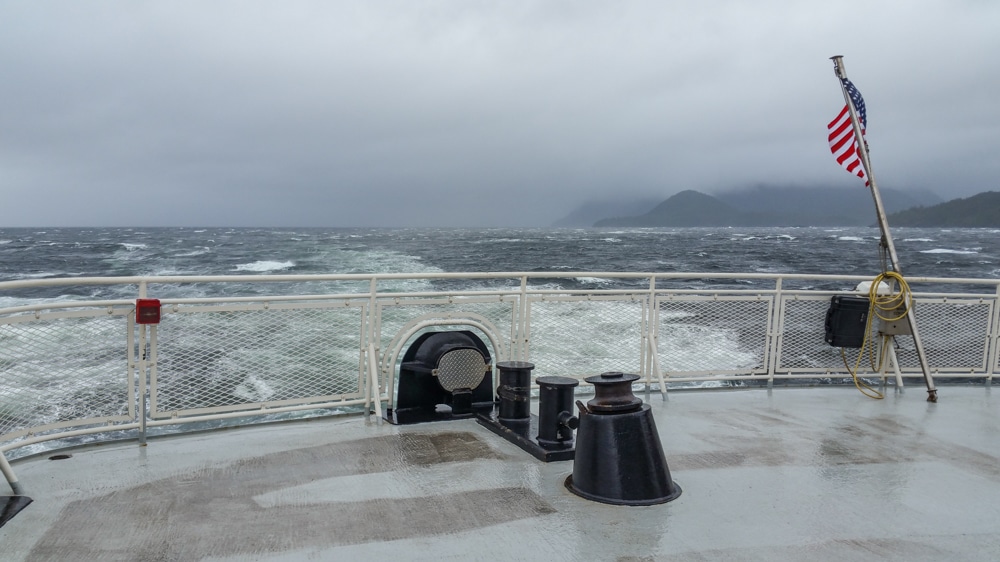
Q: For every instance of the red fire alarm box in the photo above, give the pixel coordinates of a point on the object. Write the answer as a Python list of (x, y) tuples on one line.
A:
[(147, 311)]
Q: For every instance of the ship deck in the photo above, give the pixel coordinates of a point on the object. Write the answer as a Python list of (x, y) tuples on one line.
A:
[(819, 473)]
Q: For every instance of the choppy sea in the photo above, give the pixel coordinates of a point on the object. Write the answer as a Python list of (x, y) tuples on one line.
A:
[(39, 253)]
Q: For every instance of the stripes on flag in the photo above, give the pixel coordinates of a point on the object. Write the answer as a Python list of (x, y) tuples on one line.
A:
[(843, 143)]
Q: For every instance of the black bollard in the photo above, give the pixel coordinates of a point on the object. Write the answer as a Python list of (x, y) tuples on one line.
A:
[(514, 391), (556, 421)]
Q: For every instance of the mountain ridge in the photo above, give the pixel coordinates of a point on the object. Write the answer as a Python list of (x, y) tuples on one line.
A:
[(774, 206)]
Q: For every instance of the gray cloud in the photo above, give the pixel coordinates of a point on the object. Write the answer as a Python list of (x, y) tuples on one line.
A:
[(471, 113)]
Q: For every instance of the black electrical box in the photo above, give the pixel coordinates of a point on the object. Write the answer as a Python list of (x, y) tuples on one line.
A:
[(847, 321)]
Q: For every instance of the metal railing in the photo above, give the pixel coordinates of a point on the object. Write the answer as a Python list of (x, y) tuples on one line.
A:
[(270, 345)]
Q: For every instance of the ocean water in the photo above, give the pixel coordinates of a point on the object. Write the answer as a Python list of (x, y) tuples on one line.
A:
[(40, 253)]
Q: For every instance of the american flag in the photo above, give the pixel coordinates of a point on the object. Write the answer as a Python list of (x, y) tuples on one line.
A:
[(843, 144)]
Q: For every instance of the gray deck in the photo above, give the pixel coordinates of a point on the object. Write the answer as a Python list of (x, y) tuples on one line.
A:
[(793, 474)]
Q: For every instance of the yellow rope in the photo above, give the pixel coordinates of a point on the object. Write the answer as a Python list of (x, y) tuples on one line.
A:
[(889, 308)]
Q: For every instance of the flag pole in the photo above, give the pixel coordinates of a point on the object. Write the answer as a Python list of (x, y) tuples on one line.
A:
[(883, 223)]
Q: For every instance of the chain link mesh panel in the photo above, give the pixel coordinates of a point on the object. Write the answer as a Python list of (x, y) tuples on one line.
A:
[(954, 334), (702, 334), (803, 346), (238, 359), (59, 372), (579, 337)]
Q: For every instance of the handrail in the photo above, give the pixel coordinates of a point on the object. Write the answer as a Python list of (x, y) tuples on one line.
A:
[(177, 279), (560, 329)]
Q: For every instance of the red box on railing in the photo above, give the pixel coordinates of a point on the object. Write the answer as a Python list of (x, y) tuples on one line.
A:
[(147, 311)]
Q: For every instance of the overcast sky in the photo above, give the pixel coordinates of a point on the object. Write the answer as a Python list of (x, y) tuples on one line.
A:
[(472, 112)]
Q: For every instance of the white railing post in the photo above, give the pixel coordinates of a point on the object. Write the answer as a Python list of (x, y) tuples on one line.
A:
[(143, 384), (994, 338), (373, 383), (8, 473), (776, 324), (142, 367), (370, 333), (522, 353), (656, 367), (653, 331)]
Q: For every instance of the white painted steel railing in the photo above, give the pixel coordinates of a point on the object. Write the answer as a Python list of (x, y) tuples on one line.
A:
[(271, 345)]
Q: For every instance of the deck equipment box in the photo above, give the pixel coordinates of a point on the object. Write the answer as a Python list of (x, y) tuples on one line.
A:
[(847, 321)]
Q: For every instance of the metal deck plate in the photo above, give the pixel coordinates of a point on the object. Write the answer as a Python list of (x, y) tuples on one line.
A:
[(793, 474)]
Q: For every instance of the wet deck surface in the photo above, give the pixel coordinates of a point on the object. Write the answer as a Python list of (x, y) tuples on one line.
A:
[(796, 474)]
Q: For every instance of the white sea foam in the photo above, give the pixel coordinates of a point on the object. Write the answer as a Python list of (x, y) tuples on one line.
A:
[(947, 251), (202, 251), (963, 251), (265, 265), (254, 389), (917, 240), (850, 239), (168, 271), (133, 247), (495, 240), (675, 314), (40, 275), (595, 280), (5, 241)]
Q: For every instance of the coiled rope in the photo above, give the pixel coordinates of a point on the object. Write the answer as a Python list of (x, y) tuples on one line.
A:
[(889, 308)]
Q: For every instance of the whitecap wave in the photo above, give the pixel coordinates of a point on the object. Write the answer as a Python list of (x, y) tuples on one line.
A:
[(594, 280), (41, 275), (917, 240), (192, 253), (265, 265), (676, 314), (132, 247), (947, 251), (254, 389), (850, 239)]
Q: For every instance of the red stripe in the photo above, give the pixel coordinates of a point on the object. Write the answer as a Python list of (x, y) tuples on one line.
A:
[(839, 117), (835, 148), (851, 152), (840, 129), (844, 145)]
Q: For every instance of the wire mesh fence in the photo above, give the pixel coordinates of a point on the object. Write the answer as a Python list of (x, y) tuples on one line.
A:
[(212, 360), (81, 365), (578, 338), (63, 371)]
